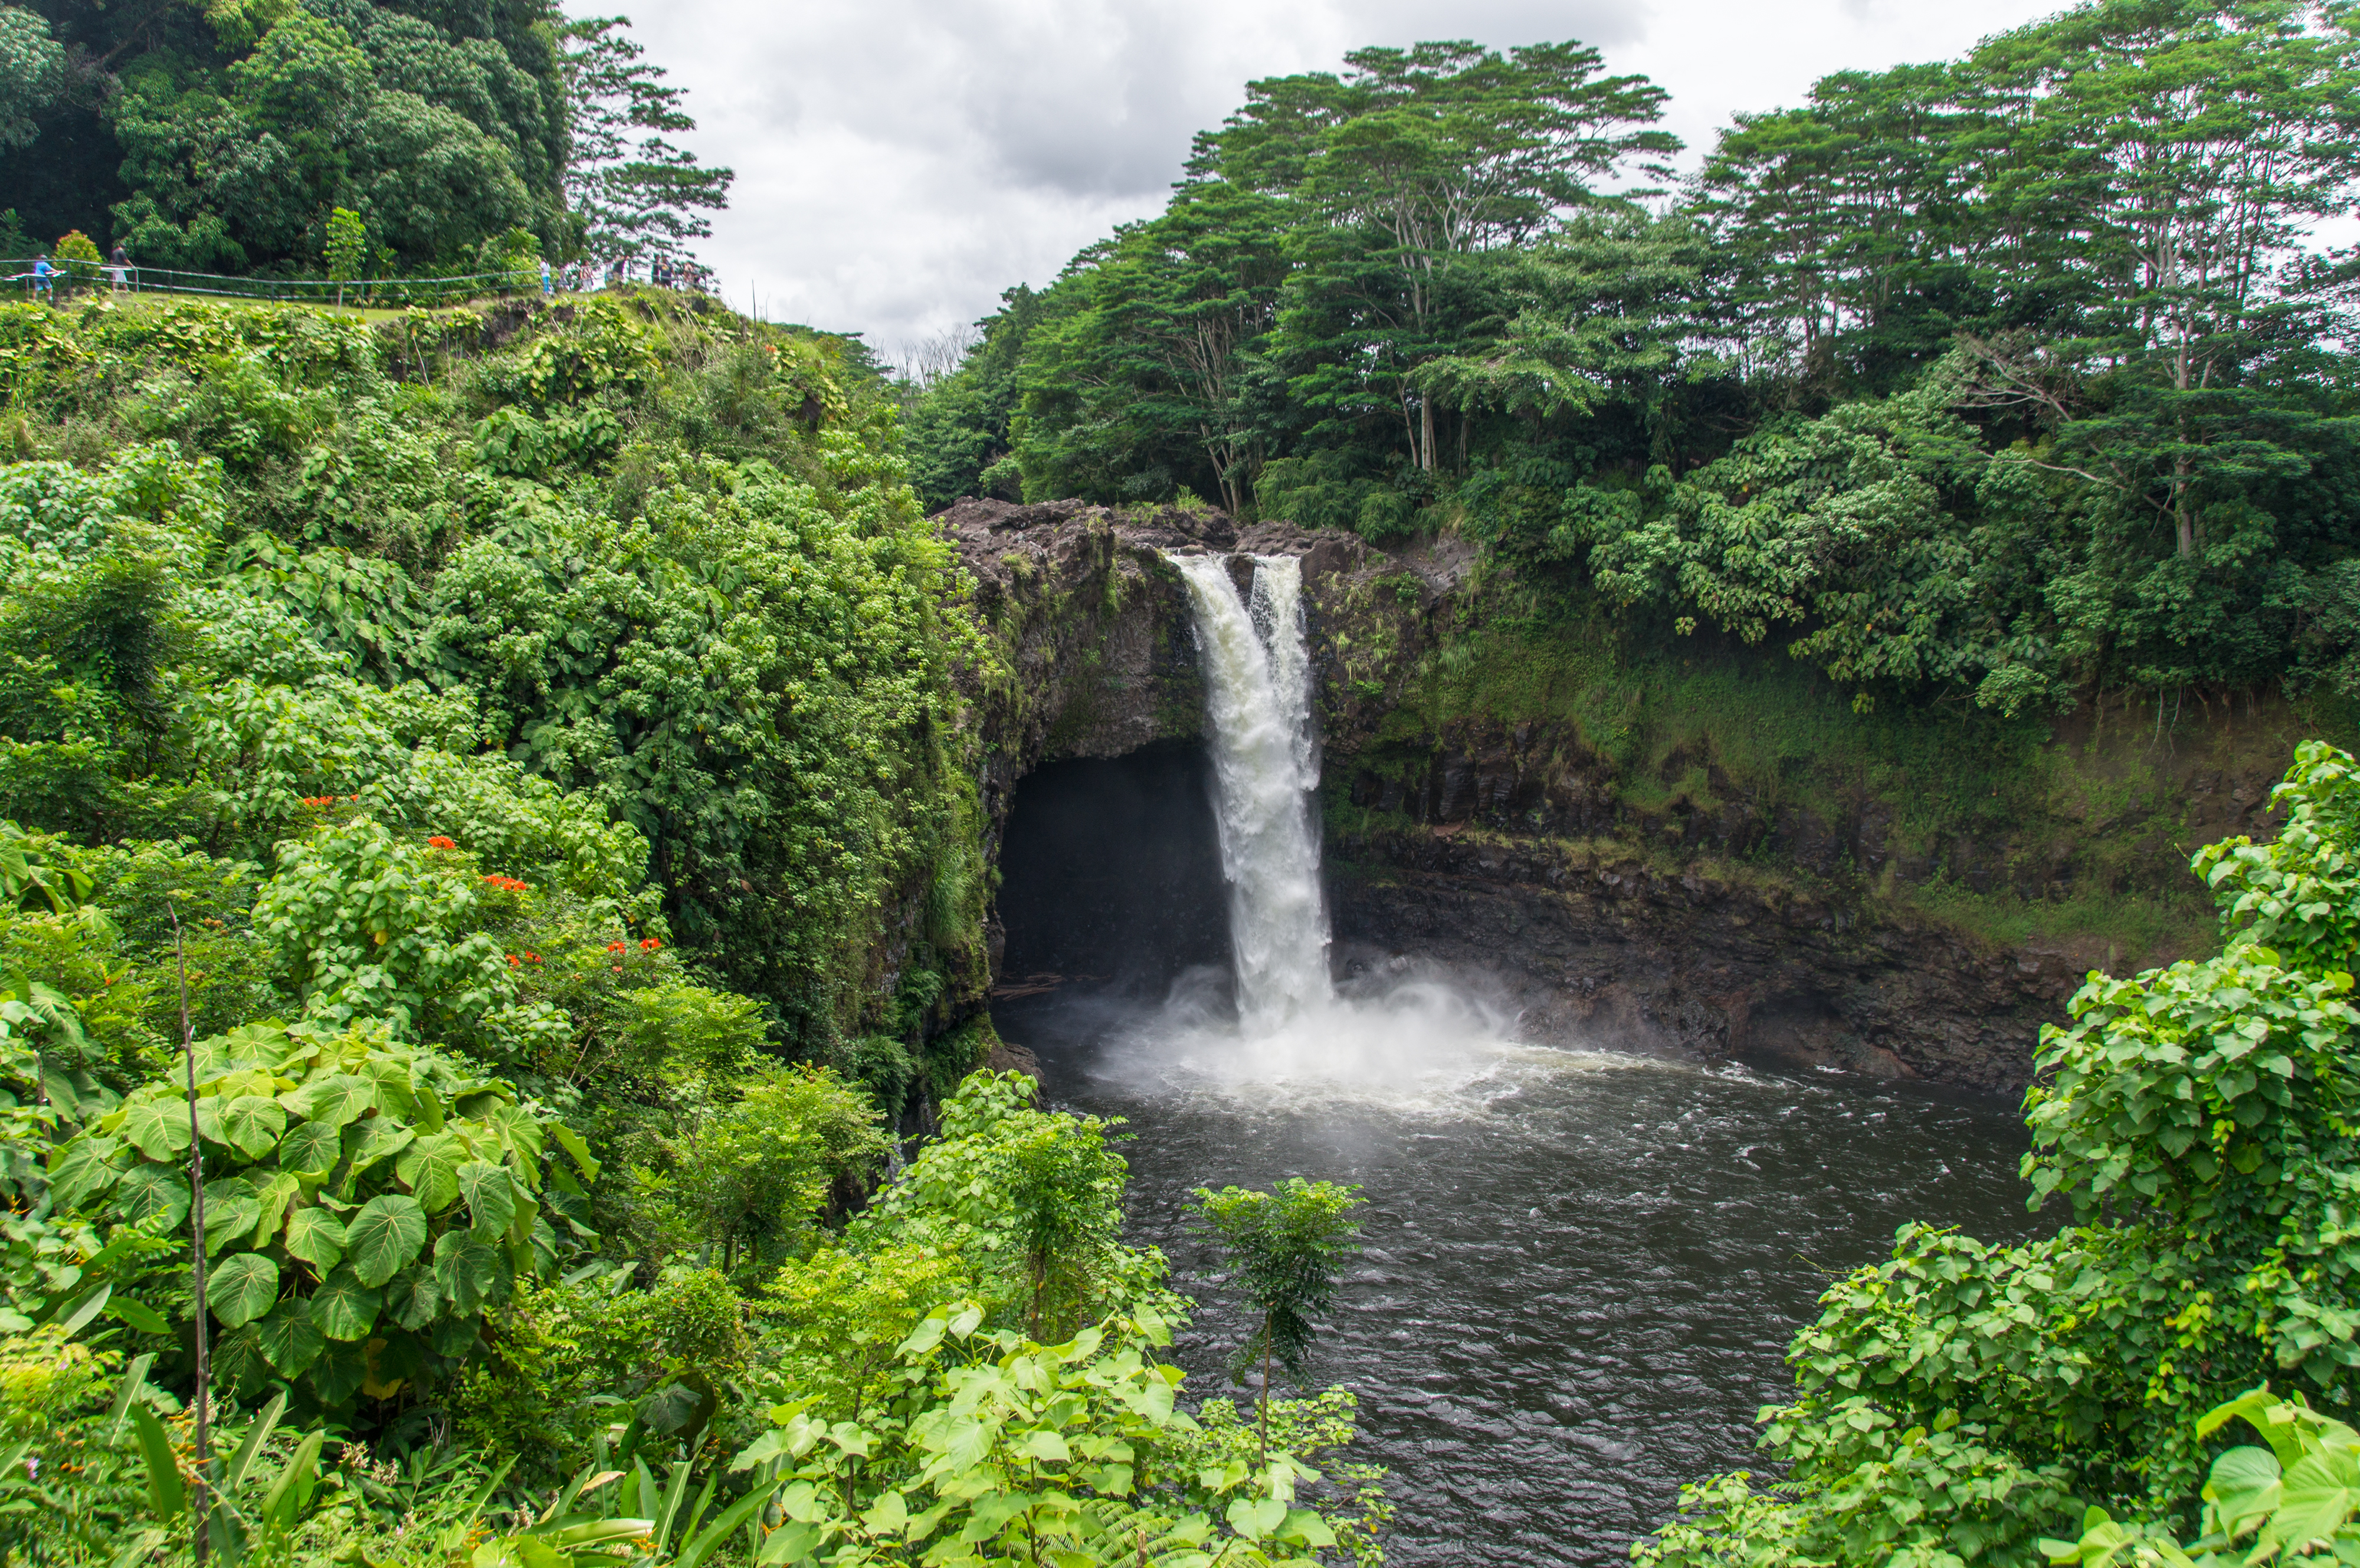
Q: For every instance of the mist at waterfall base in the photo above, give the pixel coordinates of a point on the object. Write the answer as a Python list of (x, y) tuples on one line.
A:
[(1581, 1269)]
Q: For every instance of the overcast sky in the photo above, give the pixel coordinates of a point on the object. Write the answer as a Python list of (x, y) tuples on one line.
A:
[(900, 162)]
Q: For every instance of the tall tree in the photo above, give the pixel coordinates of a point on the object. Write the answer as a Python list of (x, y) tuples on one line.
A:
[(1159, 347), (2167, 158), (635, 198), (1432, 154)]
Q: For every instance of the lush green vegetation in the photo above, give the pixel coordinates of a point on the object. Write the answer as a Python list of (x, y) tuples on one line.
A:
[(1961, 1400), (224, 136), (486, 842), (1994, 380)]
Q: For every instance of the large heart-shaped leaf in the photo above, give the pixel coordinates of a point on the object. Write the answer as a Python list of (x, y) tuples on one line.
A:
[(388, 1232), (274, 1191), (241, 1288), (380, 1139), (251, 1124), (466, 1270), (311, 1149), (430, 1168), (291, 1341), (343, 1307), (231, 1209), (491, 1197), (82, 1169), (315, 1236), (159, 1128), (333, 1101), (412, 1297), (339, 1374), (154, 1197)]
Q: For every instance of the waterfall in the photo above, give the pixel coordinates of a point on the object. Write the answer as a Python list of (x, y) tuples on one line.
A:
[(1265, 765)]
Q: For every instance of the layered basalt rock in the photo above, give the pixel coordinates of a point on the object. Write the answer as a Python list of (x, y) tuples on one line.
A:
[(1705, 920)]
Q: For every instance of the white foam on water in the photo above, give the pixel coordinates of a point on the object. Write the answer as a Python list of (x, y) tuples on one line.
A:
[(1290, 1040)]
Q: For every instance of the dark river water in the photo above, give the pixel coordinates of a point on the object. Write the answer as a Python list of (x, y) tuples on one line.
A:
[(1582, 1270)]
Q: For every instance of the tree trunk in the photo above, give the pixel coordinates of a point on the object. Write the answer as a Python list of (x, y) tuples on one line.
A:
[(1425, 432)]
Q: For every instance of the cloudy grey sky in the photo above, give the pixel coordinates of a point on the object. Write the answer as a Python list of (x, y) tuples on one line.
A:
[(900, 162)]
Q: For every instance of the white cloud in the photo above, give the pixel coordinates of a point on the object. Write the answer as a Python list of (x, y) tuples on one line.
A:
[(901, 162)]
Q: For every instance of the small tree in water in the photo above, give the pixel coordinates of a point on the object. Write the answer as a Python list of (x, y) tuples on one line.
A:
[(1283, 1248)]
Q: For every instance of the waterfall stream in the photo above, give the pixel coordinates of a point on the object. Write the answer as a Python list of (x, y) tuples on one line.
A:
[(1582, 1267), (1265, 764)]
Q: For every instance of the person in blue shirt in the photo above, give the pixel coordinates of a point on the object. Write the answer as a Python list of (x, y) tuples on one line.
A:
[(43, 275)]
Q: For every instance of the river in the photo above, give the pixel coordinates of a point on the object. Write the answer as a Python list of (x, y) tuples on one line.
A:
[(1582, 1270)]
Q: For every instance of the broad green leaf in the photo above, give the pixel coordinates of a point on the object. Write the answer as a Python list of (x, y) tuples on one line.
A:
[(490, 1195), (333, 1101), (252, 1123), (278, 1189), (231, 1209), (81, 1169), (340, 1372), (291, 1340), (571, 1141), (158, 1128), (412, 1298), (343, 1307), (430, 1168), (311, 1149), (466, 1270), (241, 1288), (382, 1139), (314, 1235), (388, 1232), (154, 1197), (1044, 1445)]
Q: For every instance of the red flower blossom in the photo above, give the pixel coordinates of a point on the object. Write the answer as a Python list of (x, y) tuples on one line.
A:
[(532, 958), (613, 947), (439, 841), (649, 945), (514, 959)]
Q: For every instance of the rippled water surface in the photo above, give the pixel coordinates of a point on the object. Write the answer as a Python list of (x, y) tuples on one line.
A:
[(1582, 1269)]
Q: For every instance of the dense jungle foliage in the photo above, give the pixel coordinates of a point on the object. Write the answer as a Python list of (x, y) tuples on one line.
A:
[(1970, 1404), (485, 839), (224, 136), (2000, 378)]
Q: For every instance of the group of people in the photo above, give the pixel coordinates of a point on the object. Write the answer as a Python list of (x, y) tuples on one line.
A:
[(46, 272), (663, 272)]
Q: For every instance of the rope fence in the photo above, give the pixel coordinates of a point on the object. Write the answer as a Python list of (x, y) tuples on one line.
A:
[(65, 280)]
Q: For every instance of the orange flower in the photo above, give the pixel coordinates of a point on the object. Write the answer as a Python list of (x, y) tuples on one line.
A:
[(514, 959), (649, 945), (532, 958), (613, 947), (439, 841)]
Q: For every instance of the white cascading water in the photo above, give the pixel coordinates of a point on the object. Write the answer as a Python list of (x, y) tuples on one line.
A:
[(1265, 765)]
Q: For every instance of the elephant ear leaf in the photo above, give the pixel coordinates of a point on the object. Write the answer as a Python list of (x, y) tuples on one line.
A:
[(431, 1168), (159, 1128), (491, 1197), (387, 1233), (291, 1340), (231, 1210), (311, 1150), (251, 1124), (154, 1197), (315, 1236), (333, 1101), (344, 1308), (241, 1288)]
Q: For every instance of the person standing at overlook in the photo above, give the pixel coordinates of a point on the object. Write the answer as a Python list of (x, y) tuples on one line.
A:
[(118, 267), (44, 276)]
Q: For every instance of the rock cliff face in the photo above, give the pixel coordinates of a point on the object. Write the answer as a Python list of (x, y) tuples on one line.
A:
[(1680, 911)]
